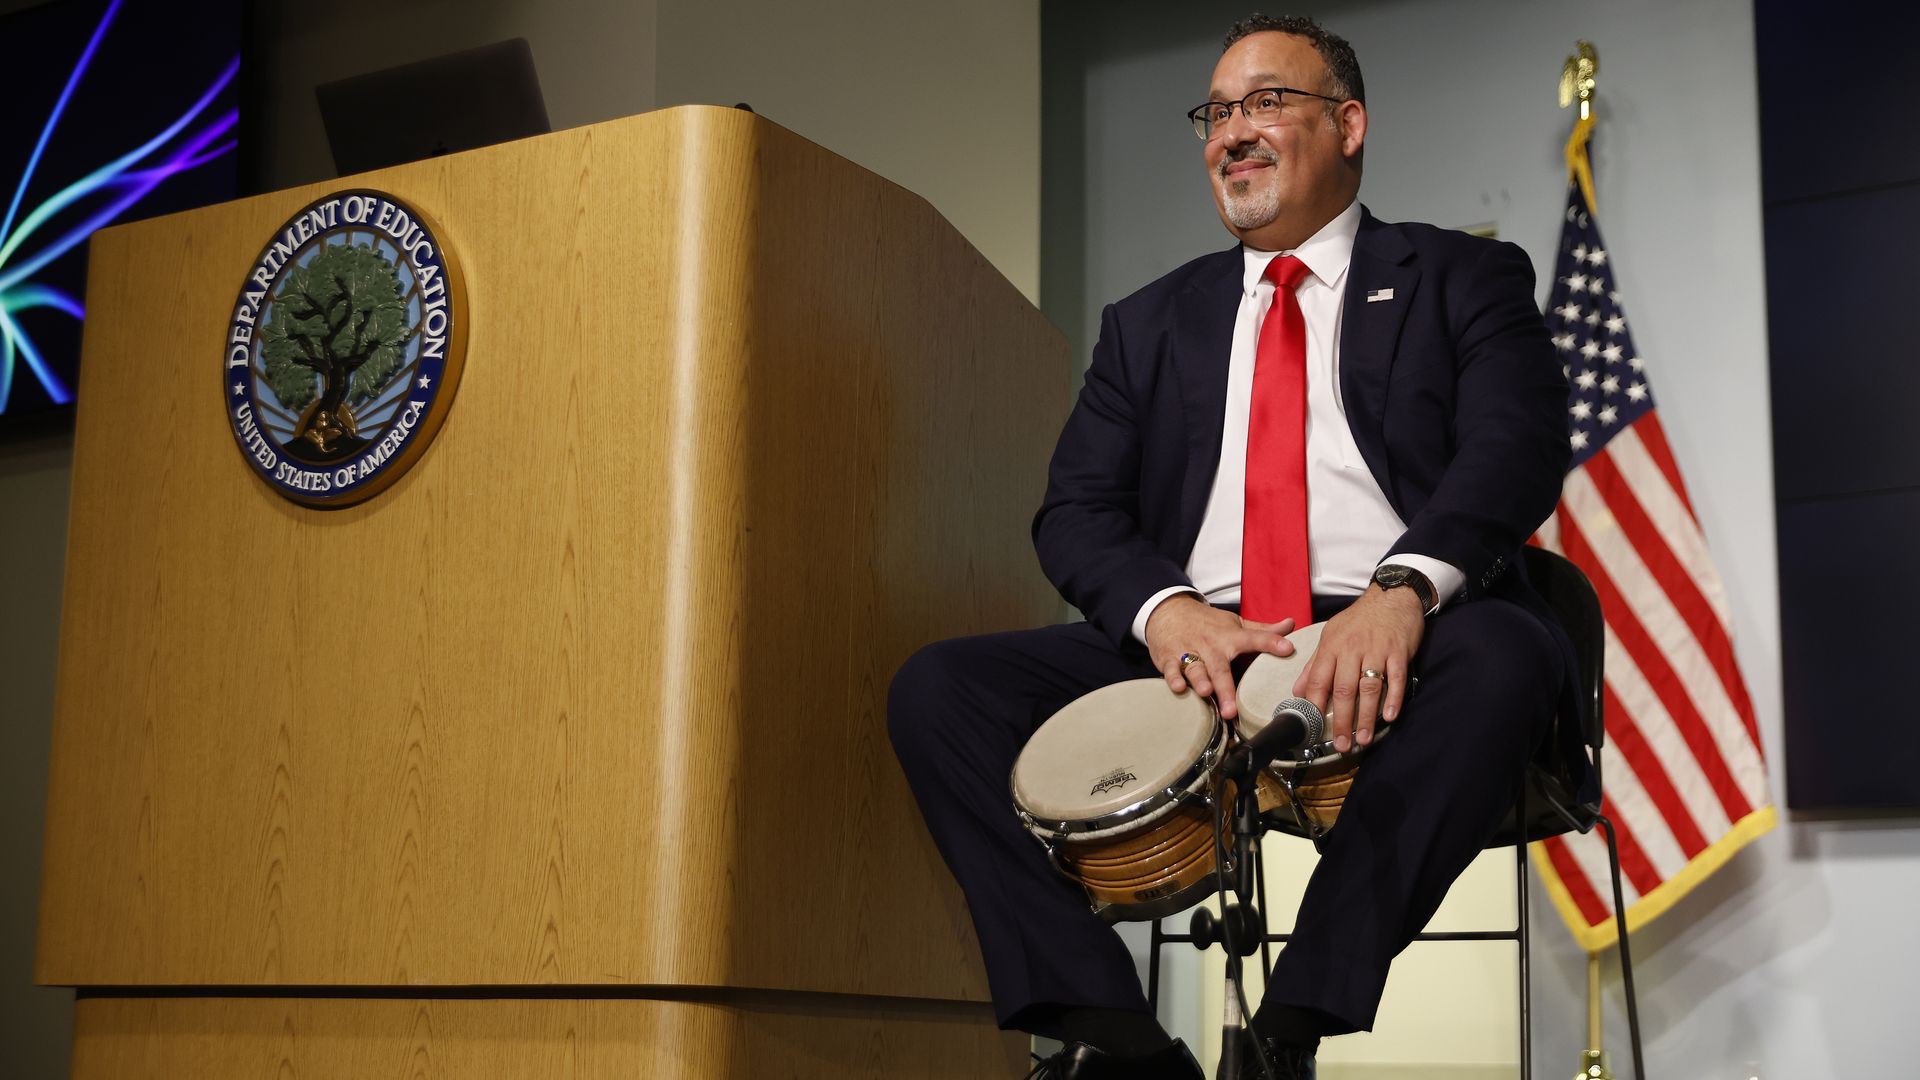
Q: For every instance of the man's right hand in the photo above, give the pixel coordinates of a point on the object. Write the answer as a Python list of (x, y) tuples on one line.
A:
[(1184, 623)]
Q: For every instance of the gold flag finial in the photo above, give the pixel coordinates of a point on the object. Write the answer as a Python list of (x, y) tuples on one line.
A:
[(1576, 84), (1576, 78)]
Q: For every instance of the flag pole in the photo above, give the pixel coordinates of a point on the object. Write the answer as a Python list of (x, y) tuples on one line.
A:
[(1577, 77), (1593, 1060)]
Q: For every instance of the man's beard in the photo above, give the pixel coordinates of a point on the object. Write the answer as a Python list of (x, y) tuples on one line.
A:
[(1246, 207)]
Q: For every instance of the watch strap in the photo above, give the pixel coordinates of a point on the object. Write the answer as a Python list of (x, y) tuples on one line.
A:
[(1422, 587)]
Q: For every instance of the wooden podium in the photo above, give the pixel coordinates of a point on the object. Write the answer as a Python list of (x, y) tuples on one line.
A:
[(566, 754)]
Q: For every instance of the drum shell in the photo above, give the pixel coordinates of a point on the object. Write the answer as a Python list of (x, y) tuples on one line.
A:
[(1152, 869), (1322, 791)]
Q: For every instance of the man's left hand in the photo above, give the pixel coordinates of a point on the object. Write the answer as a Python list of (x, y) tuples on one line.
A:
[(1379, 633)]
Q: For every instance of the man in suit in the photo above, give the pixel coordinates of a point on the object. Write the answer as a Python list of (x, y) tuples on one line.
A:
[(1338, 420)]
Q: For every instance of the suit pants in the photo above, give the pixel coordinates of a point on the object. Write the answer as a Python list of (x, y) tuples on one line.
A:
[(1425, 801)]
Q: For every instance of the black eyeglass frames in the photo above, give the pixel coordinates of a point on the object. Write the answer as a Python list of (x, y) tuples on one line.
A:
[(1262, 108)]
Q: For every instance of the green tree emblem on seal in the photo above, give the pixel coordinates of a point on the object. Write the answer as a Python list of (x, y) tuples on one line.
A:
[(334, 338)]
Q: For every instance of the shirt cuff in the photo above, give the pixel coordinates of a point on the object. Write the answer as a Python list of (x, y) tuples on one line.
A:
[(1447, 580), (1146, 609)]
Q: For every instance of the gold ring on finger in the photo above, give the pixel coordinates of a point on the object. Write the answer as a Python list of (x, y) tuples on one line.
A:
[(1187, 660), (1369, 673)]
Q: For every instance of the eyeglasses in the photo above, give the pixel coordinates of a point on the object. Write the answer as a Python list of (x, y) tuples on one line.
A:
[(1261, 108)]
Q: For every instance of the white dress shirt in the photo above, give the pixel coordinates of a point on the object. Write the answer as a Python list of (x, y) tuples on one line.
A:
[(1350, 523)]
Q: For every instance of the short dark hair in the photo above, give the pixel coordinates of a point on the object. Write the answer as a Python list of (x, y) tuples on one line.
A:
[(1343, 67)]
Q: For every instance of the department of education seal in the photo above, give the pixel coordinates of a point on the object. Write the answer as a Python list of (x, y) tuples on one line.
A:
[(344, 349)]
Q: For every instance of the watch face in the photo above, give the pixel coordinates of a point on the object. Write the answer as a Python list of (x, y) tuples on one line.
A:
[(1390, 576)]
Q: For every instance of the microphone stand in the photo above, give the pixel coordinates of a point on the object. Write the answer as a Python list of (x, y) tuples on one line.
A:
[(1243, 923), (1243, 926)]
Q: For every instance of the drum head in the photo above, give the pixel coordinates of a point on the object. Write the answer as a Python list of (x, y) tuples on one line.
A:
[(1269, 681), (1111, 750)]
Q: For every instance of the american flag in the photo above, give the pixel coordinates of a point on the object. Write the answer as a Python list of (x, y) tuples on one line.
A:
[(1686, 783)]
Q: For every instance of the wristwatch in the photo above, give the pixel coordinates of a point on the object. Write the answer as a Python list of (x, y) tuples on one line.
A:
[(1393, 576)]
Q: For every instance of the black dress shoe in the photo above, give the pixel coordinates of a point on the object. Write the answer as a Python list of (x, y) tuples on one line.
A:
[(1078, 1061), (1290, 1061)]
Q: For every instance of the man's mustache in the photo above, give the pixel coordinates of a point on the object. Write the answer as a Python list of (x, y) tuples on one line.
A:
[(1253, 152)]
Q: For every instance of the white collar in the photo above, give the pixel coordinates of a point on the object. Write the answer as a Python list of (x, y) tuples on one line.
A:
[(1326, 253)]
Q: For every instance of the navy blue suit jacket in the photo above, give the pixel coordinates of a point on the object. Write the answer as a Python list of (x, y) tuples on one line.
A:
[(1452, 388)]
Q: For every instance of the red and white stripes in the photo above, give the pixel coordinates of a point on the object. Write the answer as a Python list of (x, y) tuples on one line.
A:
[(1686, 781)]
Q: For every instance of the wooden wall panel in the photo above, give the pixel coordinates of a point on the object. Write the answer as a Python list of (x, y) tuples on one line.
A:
[(806, 1038), (595, 693)]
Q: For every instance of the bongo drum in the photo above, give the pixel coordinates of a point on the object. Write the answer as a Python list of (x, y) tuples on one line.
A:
[(1319, 774), (1119, 787)]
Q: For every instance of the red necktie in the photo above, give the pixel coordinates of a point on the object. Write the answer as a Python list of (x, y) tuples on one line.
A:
[(1274, 580)]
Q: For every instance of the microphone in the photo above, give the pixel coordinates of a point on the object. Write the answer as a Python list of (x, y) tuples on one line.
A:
[(1296, 723)]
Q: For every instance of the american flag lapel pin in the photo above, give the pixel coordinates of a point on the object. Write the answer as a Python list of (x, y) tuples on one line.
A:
[(1378, 295)]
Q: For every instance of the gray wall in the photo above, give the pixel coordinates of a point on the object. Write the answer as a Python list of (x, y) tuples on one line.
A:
[(850, 75), (595, 60), (937, 97), (35, 1022), (1797, 955)]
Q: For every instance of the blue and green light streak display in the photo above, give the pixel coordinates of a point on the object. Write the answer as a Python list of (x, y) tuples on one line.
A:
[(34, 238)]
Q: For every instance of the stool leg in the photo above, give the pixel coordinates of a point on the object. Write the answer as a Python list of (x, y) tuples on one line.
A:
[(1626, 957), (1260, 882), (1526, 970), (1154, 941)]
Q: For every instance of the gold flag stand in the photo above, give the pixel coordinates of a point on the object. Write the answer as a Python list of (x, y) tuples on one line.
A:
[(1593, 1060), (1577, 85)]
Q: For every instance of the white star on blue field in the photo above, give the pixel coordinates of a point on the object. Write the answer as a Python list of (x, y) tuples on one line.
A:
[(1606, 381)]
